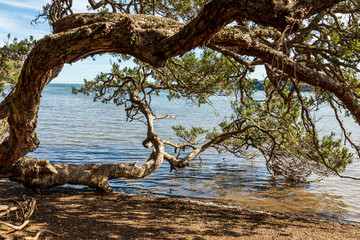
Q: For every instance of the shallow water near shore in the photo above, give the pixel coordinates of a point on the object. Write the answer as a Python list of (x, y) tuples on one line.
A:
[(74, 129)]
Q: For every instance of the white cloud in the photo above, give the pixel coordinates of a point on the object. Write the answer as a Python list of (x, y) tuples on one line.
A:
[(28, 4), (7, 22), (16, 17), (19, 26), (80, 6)]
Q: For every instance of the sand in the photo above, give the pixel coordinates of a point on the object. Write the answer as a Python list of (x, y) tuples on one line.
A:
[(88, 214)]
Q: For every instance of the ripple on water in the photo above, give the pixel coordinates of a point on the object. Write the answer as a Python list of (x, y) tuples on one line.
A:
[(74, 129)]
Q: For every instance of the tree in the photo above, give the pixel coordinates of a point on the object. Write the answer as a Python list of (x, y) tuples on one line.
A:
[(12, 55), (300, 43)]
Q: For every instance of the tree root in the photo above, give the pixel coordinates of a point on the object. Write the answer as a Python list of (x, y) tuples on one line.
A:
[(4, 237), (41, 232), (19, 210), (14, 226)]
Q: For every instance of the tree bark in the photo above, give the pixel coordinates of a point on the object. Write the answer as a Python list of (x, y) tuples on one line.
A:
[(151, 39), (91, 175), (243, 44)]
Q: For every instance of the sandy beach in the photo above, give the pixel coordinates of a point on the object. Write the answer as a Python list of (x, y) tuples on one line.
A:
[(87, 214)]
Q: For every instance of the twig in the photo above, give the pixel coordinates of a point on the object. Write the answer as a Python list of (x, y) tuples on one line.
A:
[(7, 200), (4, 237), (40, 232), (8, 210), (14, 226)]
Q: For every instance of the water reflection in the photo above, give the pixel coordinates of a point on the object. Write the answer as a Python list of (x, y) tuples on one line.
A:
[(81, 131)]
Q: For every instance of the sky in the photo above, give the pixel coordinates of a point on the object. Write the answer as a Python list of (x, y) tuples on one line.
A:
[(16, 17)]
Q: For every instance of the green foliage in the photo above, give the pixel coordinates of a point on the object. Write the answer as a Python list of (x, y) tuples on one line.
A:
[(12, 56), (183, 11), (182, 77), (332, 154), (179, 10), (189, 136), (277, 124), (199, 75), (103, 10), (280, 125)]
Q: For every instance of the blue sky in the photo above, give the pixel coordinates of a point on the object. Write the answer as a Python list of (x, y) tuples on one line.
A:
[(16, 17)]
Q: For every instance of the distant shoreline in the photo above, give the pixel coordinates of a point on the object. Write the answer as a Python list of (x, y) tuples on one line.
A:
[(257, 85)]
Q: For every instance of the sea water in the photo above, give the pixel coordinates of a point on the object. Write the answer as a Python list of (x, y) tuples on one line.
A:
[(74, 129)]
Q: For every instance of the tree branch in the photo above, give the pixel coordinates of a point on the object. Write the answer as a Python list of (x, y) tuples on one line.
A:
[(153, 40)]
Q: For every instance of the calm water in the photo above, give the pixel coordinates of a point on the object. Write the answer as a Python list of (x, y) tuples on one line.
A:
[(74, 129)]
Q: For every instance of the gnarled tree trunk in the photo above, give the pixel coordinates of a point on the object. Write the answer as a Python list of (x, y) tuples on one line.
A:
[(151, 39)]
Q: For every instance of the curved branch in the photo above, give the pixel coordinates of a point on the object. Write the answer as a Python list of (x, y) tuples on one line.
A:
[(243, 44), (177, 164), (36, 174), (153, 40)]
